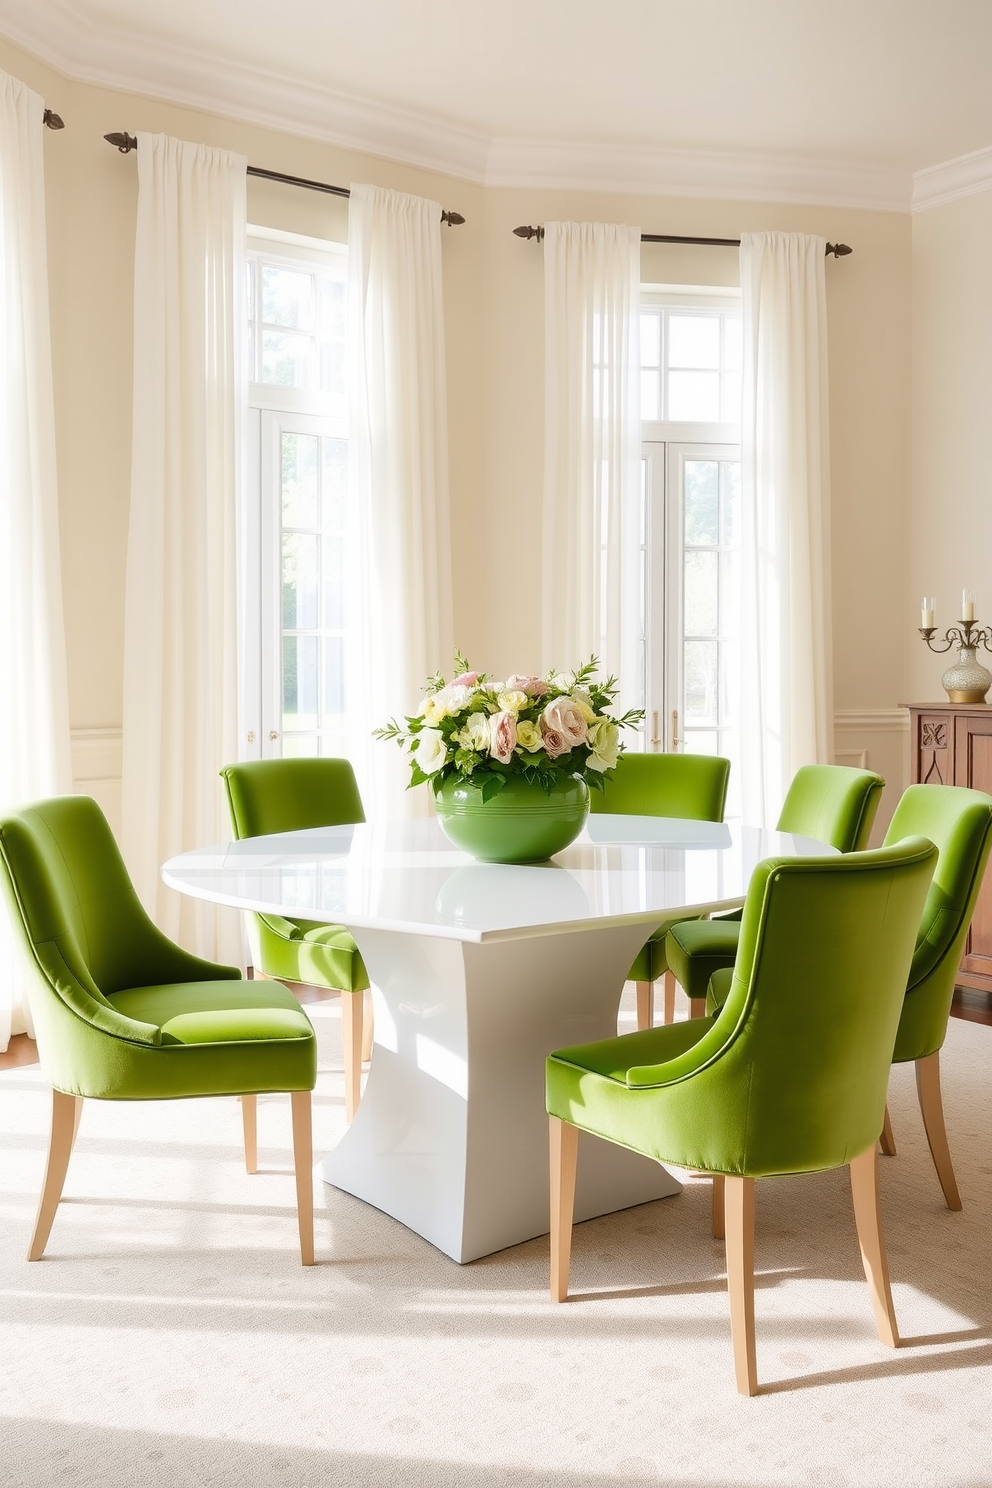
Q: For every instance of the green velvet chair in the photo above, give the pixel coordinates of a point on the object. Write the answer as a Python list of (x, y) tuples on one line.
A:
[(959, 821), (691, 786), (789, 1077), (830, 803), (287, 795), (122, 1013)]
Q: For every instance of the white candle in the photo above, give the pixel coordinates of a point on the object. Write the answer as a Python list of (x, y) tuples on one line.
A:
[(967, 605), (928, 612)]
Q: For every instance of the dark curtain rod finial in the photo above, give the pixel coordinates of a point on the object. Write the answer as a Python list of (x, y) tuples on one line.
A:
[(52, 120), (124, 142), (839, 250)]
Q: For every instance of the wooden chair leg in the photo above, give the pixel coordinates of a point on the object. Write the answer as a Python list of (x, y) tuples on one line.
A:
[(740, 1279), (719, 1207), (932, 1107), (303, 1163), (351, 1049), (564, 1156), (367, 1026), (868, 1218), (65, 1119), (249, 1121), (645, 1004), (669, 1016), (697, 1007), (887, 1142)]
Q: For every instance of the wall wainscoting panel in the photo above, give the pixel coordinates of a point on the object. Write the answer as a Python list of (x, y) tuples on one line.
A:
[(96, 770), (876, 739)]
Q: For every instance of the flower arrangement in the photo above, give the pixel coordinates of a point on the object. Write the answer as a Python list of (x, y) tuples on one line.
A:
[(483, 732)]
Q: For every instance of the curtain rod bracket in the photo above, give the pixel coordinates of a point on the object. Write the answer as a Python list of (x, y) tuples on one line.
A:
[(52, 120)]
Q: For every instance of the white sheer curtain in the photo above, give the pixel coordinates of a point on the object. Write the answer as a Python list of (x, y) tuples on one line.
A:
[(180, 653), (34, 739), (401, 580), (786, 670), (592, 446)]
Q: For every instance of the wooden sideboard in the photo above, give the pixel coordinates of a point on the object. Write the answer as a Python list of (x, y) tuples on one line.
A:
[(951, 744)]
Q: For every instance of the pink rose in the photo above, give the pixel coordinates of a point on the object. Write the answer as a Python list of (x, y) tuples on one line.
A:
[(563, 717), (467, 679), (503, 736), (532, 686), (555, 743)]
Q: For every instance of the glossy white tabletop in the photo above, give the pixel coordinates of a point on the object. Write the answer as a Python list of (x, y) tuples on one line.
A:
[(406, 876)]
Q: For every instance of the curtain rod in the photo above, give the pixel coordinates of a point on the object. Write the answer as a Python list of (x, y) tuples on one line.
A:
[(839, 250), (125, 143)]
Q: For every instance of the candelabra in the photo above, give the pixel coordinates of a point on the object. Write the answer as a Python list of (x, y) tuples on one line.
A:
[(967, 681)]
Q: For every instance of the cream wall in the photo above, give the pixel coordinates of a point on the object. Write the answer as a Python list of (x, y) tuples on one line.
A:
[(951, 512), (494, 322)]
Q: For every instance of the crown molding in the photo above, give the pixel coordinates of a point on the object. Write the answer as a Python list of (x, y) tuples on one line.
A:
[(965, 176), (690, 173), (54, 33)]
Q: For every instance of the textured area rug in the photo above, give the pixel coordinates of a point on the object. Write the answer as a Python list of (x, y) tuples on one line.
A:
[(171, 1337)]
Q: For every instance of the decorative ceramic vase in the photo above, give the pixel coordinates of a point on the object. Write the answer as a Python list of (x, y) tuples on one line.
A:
[(967, 681), (522, 824)]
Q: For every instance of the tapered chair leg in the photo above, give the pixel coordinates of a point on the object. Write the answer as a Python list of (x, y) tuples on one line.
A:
[(697, 1007), (719, 1207), (932, 1107), (868, 1218), (303, 1163), (65, 1119), (669, 997), (351, 1048), (249, 1121), (645, 1004), (740, 1279), (564, 1157), (887, 1142), (367, 1025)]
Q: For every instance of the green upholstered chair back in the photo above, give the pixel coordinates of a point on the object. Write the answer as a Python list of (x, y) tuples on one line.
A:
[(959, 822), (832, 803), (86, 935), (289, 795), (791, 1076), (693, 786)]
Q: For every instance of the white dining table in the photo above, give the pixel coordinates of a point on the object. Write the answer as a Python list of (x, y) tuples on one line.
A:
[(478, 972)]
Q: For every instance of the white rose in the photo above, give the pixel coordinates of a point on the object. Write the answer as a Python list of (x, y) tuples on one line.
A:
[(511, 700), (603, 740), (429, 750), (475, 733)]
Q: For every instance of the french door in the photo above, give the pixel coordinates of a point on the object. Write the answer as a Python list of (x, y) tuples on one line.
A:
[(690, 587), (296, 541)]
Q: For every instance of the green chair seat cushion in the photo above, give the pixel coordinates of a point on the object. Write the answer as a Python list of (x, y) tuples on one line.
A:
[(309, 952), (651, 962), (208, 1012), (695, 949)]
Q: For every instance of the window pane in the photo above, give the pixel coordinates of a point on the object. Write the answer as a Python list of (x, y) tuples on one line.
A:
[(650, 340), (694, 397), (334, 581), (731, 472), (701, 485), (286, 359), (700, 741), (730, 591), (300, 491), (299, 746), (732, 397), (334, 674), (300, 682), (335, 485), (650, 395), (332, 307), (700, 671), (332, 367), (299, 581), (693, 341), (287, 297), (700, 593), (733, 341)]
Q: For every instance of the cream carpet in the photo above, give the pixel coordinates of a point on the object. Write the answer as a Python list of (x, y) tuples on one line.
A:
[(170, 1336)]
